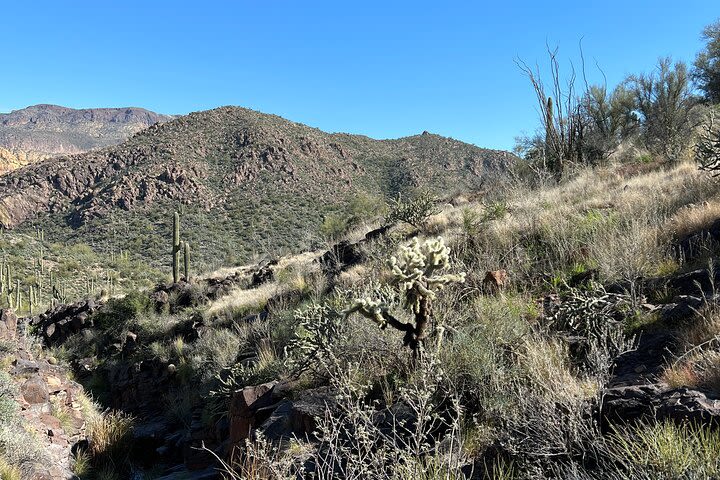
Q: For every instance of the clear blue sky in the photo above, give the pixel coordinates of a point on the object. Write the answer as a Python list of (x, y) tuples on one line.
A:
[(384, 69)]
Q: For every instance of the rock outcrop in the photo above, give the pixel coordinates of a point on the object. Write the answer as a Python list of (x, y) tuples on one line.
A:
[(62, 321), (659, 402)]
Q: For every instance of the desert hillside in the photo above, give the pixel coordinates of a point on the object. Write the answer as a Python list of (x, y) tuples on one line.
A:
[(246, 182), (229, 294)]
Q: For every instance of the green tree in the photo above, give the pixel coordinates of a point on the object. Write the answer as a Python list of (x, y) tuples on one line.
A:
[(664, 101), (608, 118), (706, 71)]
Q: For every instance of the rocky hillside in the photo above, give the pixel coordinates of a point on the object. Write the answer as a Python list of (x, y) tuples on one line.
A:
[(246, 181), (42, 131), (576, 337)]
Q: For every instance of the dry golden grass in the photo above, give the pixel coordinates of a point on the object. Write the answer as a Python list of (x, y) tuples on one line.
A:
[(621, 224), (107, 432), (547, 364), (701, 369), (241, 299), (693, 218), (705, 329), (682, 375), (292, 273), (353, 276), (9, 471)]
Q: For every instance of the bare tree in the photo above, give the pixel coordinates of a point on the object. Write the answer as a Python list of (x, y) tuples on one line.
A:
[(560, 113)]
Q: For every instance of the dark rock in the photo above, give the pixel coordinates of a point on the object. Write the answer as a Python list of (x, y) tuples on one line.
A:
[(656, 401), (263, 274), (377, 233), (398, 419), (341, 257), (682, 307), (691, 245), (583, 278), (183, 294), (278, 424), (695, 282), (59, 323), (652, 352), (182, 473)]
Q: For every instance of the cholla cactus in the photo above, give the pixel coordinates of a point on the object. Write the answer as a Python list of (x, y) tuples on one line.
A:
[(417, 271), (707, 150)]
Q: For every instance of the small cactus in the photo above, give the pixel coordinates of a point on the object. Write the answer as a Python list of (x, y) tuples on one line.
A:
[(417, 271)]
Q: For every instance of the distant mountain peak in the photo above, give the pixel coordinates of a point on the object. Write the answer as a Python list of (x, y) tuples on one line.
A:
[(42, 131)]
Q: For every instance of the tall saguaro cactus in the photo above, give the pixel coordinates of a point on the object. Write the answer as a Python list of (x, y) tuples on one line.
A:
[(176, 248), (186, 260), (417, 271), (18, 296)]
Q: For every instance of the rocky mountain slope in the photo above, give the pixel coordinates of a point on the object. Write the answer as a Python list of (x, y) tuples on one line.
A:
[(246, 181), (559, 350), (42, 131)]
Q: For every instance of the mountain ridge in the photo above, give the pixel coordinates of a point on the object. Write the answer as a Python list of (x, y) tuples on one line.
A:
[(42, 131), (244, 166)]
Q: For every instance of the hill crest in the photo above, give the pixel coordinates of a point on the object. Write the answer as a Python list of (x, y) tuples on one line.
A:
[(42, 131)]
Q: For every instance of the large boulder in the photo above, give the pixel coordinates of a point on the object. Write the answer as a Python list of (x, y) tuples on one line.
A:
[(34, 390), (8, 325), (243, 407), (632, 403)]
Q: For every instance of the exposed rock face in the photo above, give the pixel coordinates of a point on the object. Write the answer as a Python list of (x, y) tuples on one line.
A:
[(58, 323), (8, 325), (43, 390), (495, 281), (43, 131), (243, 407), (658, 401)]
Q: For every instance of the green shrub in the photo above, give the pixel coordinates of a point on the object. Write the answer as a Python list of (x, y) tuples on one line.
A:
[(119, 312), (334, 226), (413, 211), (669, 450)]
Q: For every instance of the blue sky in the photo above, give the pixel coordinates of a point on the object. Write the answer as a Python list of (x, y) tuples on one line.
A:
[(383, 69)]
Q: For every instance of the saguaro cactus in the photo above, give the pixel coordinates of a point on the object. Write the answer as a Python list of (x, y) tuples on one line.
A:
[(18, 296), (417, 273), (186, 260), (176, 248)]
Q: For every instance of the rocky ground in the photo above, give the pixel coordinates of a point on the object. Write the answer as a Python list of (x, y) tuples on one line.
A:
[(282, 410), (52, 405)]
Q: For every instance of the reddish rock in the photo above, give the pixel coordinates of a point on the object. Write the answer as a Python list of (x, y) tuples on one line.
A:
[(495, 281), (242, 410), (35, 391), (8, 325)]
